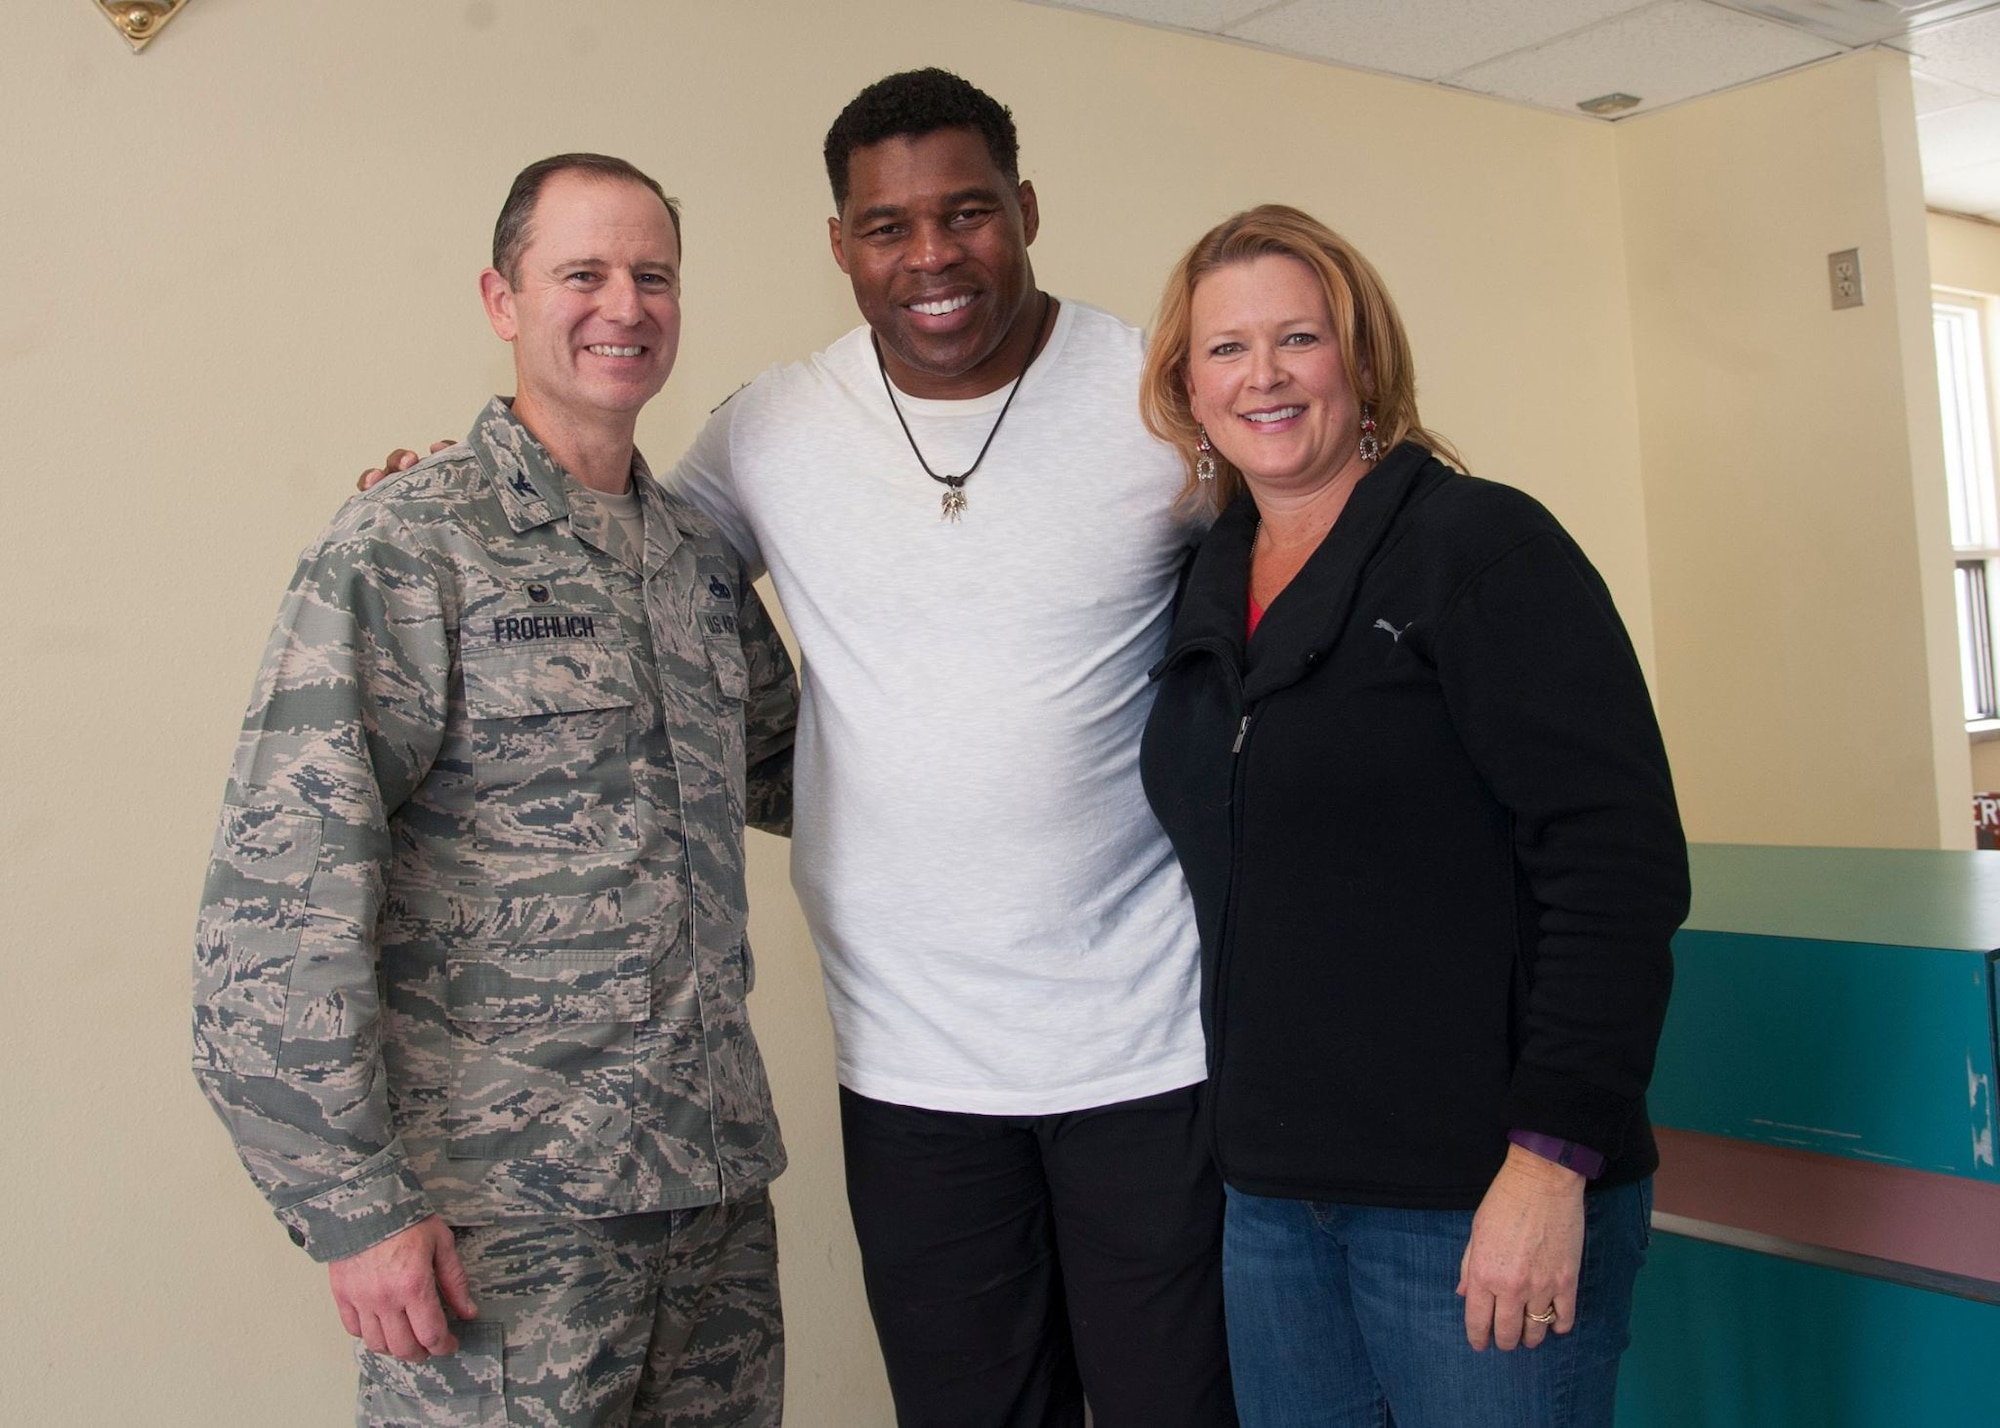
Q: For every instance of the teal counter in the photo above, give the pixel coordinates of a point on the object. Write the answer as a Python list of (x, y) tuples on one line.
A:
[(1838, 1000), (1726, 1338), (1827, 1227)]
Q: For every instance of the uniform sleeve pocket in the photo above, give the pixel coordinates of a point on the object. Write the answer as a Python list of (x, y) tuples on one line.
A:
[(516, 989), (732, 675), (254, 909), (470, 1381)]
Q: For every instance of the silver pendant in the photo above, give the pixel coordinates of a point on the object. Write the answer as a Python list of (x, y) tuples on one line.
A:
[(954, 504)]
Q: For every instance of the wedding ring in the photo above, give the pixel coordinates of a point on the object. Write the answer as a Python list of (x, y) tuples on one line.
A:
[(1547, 1316)]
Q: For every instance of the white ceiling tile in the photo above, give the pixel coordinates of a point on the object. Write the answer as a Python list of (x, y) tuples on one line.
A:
[(1669, 51), (1964, 52), (1934, 95), (1858, 22), (1970, 190), (1960, 138), (1553, 53), (1421, 38), (1210, 15)]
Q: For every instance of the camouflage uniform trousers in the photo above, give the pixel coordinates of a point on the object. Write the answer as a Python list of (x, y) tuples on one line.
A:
[(667, 1318)]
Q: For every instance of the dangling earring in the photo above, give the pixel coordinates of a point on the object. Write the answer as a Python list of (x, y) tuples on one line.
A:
[(1371, 444), (1204, 460)]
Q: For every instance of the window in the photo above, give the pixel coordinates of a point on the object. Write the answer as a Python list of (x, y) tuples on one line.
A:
[(1962, 323)]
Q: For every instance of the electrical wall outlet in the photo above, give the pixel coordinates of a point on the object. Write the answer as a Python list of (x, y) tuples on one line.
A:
[(1843, 276)]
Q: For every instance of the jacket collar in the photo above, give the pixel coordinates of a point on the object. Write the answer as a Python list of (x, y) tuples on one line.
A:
[(527, 480), (1306, 620), (668, 521), (534, 490)]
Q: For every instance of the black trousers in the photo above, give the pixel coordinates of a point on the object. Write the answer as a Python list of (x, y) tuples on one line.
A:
[(1017, 1265)]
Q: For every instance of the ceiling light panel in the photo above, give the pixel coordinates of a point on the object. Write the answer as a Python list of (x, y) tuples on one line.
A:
[(1960, 138), (1663, 53), (1964, 52), (1425, 39), (1975, 190), (1209, 15)]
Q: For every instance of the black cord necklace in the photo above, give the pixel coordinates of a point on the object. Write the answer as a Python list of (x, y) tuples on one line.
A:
[(954, 486)]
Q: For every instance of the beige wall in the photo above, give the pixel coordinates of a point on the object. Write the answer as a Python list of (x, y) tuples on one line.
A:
[(1986, 766), (242, 264), (1793, 468), (1965, 253)]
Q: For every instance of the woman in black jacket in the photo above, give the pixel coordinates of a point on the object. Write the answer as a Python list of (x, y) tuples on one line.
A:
[(1426, 816)]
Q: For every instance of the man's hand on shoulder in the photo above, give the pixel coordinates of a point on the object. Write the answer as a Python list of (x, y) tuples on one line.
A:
[(401, 459), (388, 1295)]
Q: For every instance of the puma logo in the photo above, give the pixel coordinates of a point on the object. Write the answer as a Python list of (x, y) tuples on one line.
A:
[(1394, 633)]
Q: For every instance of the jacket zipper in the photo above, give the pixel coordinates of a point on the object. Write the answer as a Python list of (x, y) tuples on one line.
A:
[(1225, 931), (1226, 656)]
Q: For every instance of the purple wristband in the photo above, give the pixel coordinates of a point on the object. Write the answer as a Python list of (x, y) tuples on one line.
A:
[(1566, 1153)]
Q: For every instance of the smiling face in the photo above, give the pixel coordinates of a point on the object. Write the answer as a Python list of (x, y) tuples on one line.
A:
[(1265, 376), (594, 313), (934, 239)]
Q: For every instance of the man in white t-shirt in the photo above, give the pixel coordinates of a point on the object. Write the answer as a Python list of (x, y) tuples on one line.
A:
[(974, 540)]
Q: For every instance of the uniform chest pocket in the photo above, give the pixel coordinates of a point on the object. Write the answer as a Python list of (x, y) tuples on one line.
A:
[(550, 744)]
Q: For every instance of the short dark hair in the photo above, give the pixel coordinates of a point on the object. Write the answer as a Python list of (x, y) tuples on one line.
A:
[(510, 232), (912, 104)]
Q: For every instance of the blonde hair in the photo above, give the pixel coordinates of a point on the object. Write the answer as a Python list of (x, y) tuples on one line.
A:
[(1373, 347)]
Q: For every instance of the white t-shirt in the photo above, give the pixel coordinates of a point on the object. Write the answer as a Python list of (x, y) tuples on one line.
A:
[(1002, 924)]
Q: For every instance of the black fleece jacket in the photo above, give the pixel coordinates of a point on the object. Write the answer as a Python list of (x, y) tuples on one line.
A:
[(1428, 824)]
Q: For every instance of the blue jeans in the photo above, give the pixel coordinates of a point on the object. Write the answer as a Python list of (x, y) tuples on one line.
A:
[(1345, 1316)]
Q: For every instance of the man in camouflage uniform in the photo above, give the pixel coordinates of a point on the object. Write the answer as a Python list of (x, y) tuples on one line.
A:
[(470, 969)]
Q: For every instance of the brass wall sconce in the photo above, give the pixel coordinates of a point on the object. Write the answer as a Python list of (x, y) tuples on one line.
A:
[(139, 20)]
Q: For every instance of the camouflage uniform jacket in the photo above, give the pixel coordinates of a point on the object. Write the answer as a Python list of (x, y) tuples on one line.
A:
[(472, 940)]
